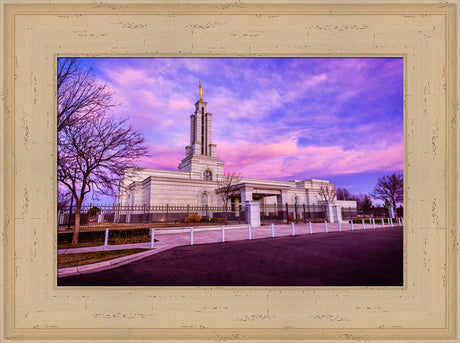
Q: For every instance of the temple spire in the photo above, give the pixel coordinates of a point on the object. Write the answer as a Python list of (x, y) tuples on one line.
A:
[(201, 92)]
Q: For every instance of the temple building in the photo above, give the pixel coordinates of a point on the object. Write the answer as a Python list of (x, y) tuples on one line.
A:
[(196, 181)]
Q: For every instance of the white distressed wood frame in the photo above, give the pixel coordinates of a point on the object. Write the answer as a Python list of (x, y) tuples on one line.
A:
[(35, 33)]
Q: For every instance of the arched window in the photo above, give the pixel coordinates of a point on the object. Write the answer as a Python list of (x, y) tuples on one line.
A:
[(296, 200), (204, 199), (207, 175)]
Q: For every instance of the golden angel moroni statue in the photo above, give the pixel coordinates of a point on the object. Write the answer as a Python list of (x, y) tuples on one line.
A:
[(201, 91)]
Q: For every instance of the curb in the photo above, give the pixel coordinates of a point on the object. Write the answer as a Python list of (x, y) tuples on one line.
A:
[(105, 265)]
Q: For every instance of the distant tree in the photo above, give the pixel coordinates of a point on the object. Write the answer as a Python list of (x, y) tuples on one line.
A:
[(326, 194), (226, 188), (364, 203), (343, 194), (389, 188), (92, 155)]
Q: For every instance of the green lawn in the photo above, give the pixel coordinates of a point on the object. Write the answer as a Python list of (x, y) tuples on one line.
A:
[(73, 260)]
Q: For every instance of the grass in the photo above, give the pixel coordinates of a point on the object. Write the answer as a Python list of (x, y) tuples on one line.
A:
[(73, 260), (112, 241), (130, 226)]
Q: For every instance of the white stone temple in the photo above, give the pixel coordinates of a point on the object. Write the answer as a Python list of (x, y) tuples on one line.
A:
[(195, 182)]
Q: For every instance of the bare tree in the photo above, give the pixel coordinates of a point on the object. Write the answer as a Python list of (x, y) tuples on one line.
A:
[(343, 194), (92, 147), (326, 194), (227, 189), (92, 155), (79, 93), (389, 188), (64, 198)]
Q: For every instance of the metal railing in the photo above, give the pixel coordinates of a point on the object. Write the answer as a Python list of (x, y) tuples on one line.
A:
[(94, 216), (101, 216)]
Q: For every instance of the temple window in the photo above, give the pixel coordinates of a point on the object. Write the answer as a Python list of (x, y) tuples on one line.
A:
[(204, 199), (207, 175)]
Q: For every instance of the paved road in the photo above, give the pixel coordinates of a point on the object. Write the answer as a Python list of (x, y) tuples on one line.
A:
[(371, 257)]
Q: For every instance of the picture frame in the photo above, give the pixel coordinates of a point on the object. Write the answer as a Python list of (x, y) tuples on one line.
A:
[(36, 33)]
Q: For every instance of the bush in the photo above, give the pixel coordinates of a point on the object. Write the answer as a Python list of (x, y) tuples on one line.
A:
[(93, 211), (192, 218), (290, 218)]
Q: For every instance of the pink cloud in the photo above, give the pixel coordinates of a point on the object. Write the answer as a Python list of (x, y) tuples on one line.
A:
[(282, 159)]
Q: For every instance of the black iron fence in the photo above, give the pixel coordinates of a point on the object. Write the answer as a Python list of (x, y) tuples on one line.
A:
[(94, 216), (276, 213), (349, 213), (163, 215), (380, 212)]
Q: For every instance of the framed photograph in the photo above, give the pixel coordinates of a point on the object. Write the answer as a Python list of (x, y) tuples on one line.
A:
[(423, 37)]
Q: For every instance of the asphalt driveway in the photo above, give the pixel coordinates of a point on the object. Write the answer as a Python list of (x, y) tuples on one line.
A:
[(352, 258)]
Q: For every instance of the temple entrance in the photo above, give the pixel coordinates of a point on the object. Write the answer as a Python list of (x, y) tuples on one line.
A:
[(264, 200)]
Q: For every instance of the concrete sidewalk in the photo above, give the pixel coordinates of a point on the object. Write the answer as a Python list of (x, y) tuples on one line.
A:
[(182, 236)]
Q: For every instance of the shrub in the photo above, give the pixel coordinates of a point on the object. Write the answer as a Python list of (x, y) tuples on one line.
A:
[(192, 218), (290, 218), (93, 211)]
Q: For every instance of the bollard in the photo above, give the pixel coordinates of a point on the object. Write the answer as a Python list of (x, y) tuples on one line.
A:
[(383, 223), (152, 237), (399, 221), (249, 232), (364, 227), (340, 227), (402, 221), (388, 220), (191, 236), (351, 221), (293, 228), (310, 227), (106, 239), (325, 226), (373, 223), (223, 234), (273, 230), (391, 222)]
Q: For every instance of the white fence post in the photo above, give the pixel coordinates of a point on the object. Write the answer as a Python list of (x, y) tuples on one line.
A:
[(383, 223), (388, 220), (391, 222), (106, 239), (373, 223), (364, 226), (223, 234), (293, 229), (402, 221), (309, 223), (351, 221), (273, 230), (340, 227), (249, 232), (152, 237), (191, 236), (325, 226)]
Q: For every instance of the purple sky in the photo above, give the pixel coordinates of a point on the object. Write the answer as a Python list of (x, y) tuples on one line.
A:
[(340, 119)]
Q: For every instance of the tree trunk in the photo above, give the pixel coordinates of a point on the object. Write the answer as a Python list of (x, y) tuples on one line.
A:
[(394, 210), (76, 229), (225, 213)]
